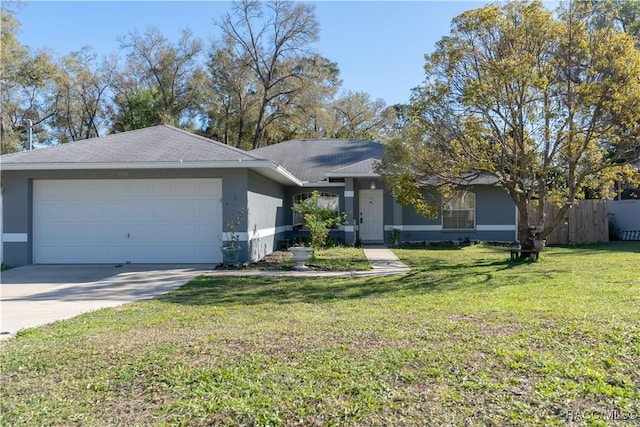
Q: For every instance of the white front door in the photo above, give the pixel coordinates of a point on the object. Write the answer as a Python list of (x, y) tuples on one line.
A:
[(127, 220), (370, 219)]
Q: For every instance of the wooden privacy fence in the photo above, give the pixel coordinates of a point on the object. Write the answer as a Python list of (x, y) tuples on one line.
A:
[(585, 222)]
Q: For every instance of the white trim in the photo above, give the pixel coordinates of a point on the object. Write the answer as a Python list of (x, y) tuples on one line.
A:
[(348, 228), (352, 175), (321, 184), (437, 227), (503, 227), (285, 173), (264, 232), (15, 237), (349, 193)]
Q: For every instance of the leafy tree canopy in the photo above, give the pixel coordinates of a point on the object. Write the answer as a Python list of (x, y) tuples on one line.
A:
[(546, 106), (27, 79)]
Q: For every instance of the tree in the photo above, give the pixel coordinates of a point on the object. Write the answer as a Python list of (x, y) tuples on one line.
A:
[(232, 87), (628, 15), (355, 115), (27, 81), (82, 88), (274, 37), (548, 107), (160, 76), (310, 115)]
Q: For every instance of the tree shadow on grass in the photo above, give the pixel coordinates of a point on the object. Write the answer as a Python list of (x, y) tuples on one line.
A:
[(599, 248), (255, 290)]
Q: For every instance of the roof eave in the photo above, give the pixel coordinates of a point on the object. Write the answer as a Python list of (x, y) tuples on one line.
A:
[(352, 175), (322, 184), (132, 165), (264, 167), (279, 174)]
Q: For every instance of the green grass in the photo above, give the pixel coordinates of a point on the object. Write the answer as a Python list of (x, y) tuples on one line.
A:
[(468, 338)]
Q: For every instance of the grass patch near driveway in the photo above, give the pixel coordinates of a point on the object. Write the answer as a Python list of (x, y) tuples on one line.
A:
[(468, 338)]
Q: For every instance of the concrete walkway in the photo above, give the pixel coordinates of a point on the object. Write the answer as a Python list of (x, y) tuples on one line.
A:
[(384, 262)]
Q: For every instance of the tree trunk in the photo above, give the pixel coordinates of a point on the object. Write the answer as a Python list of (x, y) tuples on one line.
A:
[(555, 221), (257, 136), (525, 236)]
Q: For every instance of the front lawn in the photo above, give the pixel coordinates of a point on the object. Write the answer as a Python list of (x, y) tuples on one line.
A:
[(468, 338)]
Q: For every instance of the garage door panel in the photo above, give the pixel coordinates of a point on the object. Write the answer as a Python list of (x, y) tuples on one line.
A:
[(60, 210), (138, 210), (96, 209), (164, 210), (138, 221), (188, 232), (109, 190), (57, 232), (205, 211)]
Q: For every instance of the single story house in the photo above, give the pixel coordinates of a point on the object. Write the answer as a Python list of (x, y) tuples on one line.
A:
[(164, 195)]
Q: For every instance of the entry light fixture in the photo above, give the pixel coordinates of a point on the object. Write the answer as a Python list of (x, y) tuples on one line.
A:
[(373, 185)]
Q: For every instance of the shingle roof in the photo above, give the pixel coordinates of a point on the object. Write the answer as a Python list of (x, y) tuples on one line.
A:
[(156, 144), (311, 159), (365, 167)]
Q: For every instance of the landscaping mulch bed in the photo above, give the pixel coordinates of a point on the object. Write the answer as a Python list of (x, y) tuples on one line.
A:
[(275, 261)]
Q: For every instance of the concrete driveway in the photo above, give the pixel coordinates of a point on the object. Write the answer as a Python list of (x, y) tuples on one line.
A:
[(35, 295)]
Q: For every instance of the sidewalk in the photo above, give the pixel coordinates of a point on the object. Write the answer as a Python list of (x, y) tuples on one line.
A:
[(383, 263)]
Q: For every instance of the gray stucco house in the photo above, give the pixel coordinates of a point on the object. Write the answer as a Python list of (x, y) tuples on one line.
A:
[(164, 195)]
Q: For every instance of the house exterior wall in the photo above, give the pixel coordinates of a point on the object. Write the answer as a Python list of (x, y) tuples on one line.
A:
[(350, 210), (266, 216), (495, 216), (16, 219), (17, 192), (625, 214), (267, 210)]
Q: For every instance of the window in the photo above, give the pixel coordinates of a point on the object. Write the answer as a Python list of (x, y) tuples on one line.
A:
[(327, 201), (459, 213)]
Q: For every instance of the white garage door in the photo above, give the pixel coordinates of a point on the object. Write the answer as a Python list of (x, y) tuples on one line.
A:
[(130, 220)]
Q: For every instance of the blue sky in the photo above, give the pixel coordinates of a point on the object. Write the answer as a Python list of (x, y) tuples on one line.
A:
[(378, 45)]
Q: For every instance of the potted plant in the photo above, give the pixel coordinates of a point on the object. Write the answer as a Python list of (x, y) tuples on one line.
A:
[(231, 241), (395, 236)]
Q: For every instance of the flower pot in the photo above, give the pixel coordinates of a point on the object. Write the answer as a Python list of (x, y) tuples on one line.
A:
[(230, 256), (300, 255)]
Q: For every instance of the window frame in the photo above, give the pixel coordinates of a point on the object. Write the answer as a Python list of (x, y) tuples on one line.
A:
[(455, 200)]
